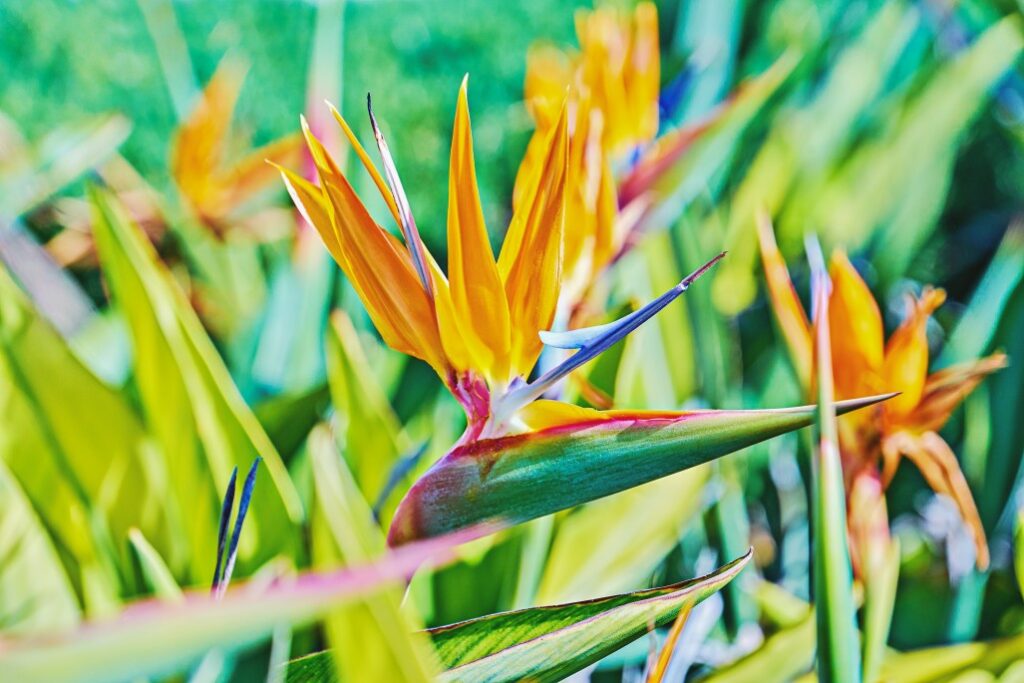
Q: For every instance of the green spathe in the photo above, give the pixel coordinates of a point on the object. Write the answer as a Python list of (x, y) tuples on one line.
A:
[(522, 477)]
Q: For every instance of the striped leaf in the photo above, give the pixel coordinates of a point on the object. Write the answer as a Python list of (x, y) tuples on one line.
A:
[(549, 643)]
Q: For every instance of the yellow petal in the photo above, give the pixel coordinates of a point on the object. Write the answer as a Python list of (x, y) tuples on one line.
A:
[(906, 354), (789, 312), (856, 332), (548, 72), (476, 288), (530, 263), (938, 464), (543, 414), (945, 389), (448, 325)]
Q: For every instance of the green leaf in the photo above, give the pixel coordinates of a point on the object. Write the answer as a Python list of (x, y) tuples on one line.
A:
[(879, 601), (974, 330), (616, 543), (190, 402), (372, 439), (832, 577), (782, 657), (549, 643), (76, 448), (35, 594), (521, 477), (877, 188), (372, 639), (155, 573), (156, 638), (552, 642), (945, 662)]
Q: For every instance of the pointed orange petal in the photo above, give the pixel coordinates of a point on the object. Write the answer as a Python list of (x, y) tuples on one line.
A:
[(530, 263), (381, 272), (310, 201), (906, 354), (945, 389), (376, 263), (548, 72), (856, 332), (789, 312), (939, 466), (198, 148), (476, 288), (378, 180)]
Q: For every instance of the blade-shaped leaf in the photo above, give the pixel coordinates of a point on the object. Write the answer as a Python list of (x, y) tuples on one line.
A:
[(75, 447), (373, 639), (521, 477), (974, 331), (552, 642), (549, 643), (35, 594), (157, 576), (155, 638), (373, 442), (782, 657), (190, 401), (832, 576)]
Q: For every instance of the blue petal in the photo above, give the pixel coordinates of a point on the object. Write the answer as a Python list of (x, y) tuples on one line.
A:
[(592, 341)]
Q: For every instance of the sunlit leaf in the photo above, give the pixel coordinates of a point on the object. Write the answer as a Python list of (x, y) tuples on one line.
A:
[(75, 447), (552, 642), (372, 639), (191, 404), (371, 433), (615, 543), (157, 576), (830, 555), (35, 594)]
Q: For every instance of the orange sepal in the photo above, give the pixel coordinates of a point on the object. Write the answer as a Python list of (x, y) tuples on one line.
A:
[(906, 354), (857, 337)]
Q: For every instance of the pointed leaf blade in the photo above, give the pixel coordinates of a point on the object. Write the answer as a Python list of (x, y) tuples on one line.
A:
[(832, 575), (551, 642)]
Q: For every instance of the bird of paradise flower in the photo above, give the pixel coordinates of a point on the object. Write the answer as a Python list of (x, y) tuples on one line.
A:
[(482, 328), (873, 443)]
